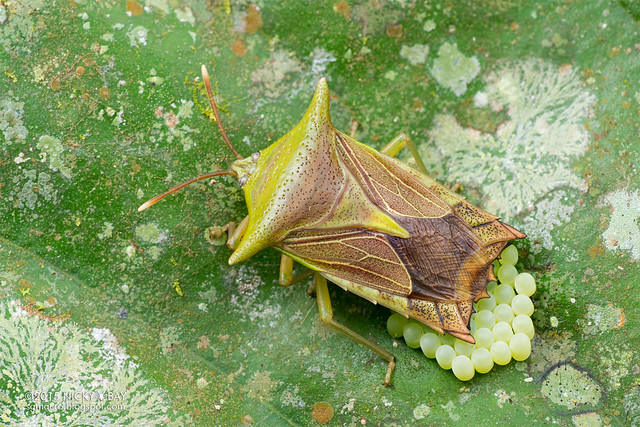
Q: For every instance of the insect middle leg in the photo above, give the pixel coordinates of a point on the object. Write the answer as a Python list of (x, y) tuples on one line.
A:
[(326, 314), (398, 143), (286, 272)]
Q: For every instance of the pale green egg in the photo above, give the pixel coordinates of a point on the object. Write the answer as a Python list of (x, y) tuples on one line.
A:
[(525, 284), (484, 338), (485, 319), (503, 313), (522, 304), (509, 255), (487, 303), (482, 360), (520, 346), (463, 368), (445, 355), (395, 324), (523, 323), (500, 352), (412, 333), (507, 274), (463, 348), (502, 332), (429, 343), (504, 293)]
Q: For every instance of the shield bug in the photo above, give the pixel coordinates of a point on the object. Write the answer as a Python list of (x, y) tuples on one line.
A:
[(364, 220)]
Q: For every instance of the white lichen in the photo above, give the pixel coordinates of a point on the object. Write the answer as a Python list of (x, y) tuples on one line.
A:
[(22, 21), (150, 233), (268, 77), (52, 150), (303, 75), (31, 189), (170, 339), (291, 397), (48, 370), (415, 54), (453, 70), (160, 5), (429, 25), (107, 231), (172, 128), (421, 411), (548, 214), (11, 124), (531, 152), (138, 36), (571, 387), (185, 14), (623, 233), (601, 319), (185, 110), (320, 60)]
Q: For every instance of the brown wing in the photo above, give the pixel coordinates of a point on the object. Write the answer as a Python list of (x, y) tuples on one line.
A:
[(361, 256)]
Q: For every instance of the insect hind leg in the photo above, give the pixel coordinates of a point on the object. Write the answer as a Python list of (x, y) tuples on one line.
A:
[(398, 143), (326, 314)]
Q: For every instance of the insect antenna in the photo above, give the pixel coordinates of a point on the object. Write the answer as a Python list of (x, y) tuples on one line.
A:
[(156, 199), (214, 107)]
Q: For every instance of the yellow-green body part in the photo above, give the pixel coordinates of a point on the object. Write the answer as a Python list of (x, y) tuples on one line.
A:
[(299, 183), (368, 222)]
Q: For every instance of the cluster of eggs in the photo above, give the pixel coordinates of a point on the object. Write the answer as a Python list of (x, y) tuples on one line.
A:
[(501, 325)]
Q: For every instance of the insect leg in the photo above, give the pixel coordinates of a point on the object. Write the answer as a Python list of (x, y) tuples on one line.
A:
[(286, 270), (236, 233), (398, 143), (354, 128), (326, 314)]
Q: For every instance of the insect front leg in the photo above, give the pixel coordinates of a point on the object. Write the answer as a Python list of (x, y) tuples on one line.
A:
[(326, 314), (236, 232), (398, 143)]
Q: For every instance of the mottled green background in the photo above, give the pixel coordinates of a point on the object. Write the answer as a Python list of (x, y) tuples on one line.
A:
[(532, 108)]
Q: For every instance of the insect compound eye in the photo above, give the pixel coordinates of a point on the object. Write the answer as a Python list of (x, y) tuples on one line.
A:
[(255, 156), (242, 181)]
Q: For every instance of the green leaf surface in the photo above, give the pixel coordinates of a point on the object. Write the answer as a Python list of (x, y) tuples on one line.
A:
[(532, 108)]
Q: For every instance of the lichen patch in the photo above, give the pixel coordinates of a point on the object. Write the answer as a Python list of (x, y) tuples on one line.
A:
[(22, 21), (453, 70), (416, 54), (172, 127), (11, 123), (623, 233), (261, 387), (51, 151), (530, 153), (150, 233), (138, 36), (549, 348), (569, 386), (302, 74), (588, 419), (421, 411), (270, 75), (32, 189), (68, 363), (602, 319), (548, 214), (107, 231)]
